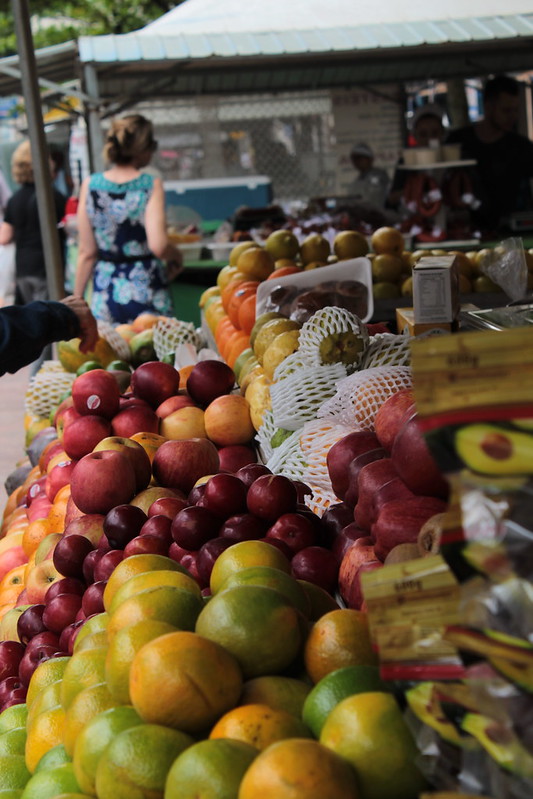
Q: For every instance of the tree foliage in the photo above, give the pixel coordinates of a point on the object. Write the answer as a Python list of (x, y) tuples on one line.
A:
[(56, 21)]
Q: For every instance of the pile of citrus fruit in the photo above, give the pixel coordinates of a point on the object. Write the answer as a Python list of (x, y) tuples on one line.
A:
[(266, 688)]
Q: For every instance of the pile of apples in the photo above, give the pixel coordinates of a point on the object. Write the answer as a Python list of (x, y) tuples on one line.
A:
[(390, 486)]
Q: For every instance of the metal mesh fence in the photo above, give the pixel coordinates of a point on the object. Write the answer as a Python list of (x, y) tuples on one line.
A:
[(289, 137)]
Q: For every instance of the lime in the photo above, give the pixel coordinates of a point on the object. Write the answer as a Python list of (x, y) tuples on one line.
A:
[(88, 366), (47, 784), (209, 768), (118, 366), (14, 716), (56, 756), (13, 772), (13, 741)]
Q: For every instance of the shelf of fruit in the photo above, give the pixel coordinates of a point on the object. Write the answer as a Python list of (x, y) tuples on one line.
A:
[(181, 610)]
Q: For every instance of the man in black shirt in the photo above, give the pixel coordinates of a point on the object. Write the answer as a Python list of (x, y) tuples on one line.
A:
[(504, 157)]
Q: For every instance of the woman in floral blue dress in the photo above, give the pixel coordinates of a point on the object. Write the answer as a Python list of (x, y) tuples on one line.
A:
[(123, 241)]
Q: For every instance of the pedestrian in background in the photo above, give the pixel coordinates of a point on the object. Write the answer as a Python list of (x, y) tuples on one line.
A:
[(22, 226), (122, 232)]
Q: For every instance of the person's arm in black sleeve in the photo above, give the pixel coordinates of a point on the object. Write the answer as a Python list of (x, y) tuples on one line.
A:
[(26, 329)]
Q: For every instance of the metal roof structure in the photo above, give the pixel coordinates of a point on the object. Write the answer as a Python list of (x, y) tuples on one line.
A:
[(171, 56)]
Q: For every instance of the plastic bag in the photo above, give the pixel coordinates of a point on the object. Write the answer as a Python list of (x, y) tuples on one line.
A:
[(506, 265)]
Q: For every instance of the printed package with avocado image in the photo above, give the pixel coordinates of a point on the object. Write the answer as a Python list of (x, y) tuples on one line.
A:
[(474, 397)]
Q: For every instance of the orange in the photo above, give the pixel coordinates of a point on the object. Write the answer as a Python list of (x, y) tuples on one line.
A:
[(136, 762), (238, 249), (46, 673), (259, 725), (46, 698), (91, 627), (259, 626), (34, 534), (12, 584), (209, 769), (314, 247), (299, 767), (320, 601), (45, 732), (241, 556), (350, 244), (168, 603), (283, 271), (185, 681), (387, 240), (136, 564), (140, 582), (369, 730), (268, 577), (246, 314), (144, 321), (276, 691), (150, 442), (94, 738), (184, 375), (225, 275), (244, 291), (237, 281), (84, 707), (121, 651), (256, 263), (340, 638), (84, 668), (213, 313), (239, 344)]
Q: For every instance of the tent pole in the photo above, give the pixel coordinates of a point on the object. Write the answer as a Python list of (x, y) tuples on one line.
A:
[(41, 164), (94, 125)]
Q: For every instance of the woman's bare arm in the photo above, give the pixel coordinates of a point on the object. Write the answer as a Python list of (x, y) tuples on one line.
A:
[(156, 228), (87, 248)]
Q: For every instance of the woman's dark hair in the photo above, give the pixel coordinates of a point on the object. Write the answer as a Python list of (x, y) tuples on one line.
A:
[(128, 138)]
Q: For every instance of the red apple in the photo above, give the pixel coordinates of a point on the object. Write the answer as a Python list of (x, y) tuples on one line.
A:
[(177, 553), (39, 580), (140, 460), (160, 527), (96, 392), (68, 585), (144, 499), (317, 565), (102, 480), (59, 476), (251, 472), (342, 453), (399, 522), (295, 530), (354, 468), (61, 611), (129, 401), (135, 419), (174, 404), (91, 525), (415, 464), (31, 622), (39, 508), (234, 456), (154, 382), (11, 687), (14, 556), (179, 464), (195, 494), (193, 526), (46, 638), (189, 562), (105, 565), (346, 538), (11, 653), (36, 489), (68, 636), (80, 437), (395, 489), (207, 555), (208, 380), (391, 416), (352, 560), (355, 595), (371, 478), (122, 523), (89, 563), (72, 511), (243, 527), (335, 518), (50, 451), (69, 554), (167, 506), (271, 495), (146, 544), (70, 415), (224, 495), (283, 547), (31, 660), (93, 598)]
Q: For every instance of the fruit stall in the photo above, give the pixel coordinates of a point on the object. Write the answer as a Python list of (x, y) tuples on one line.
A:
[(284, 553)]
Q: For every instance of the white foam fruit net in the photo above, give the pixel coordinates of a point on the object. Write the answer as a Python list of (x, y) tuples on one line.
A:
[(297, 398), (386, 349), (359, 396), (290, 365), (46, 388), (328, 322), (169, 333), (264, 436), (288, 459), (115, 340)]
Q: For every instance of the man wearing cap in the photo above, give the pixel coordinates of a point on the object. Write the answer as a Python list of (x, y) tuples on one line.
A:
[(372, 184)]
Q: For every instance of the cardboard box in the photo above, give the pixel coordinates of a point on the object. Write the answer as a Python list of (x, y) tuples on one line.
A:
[(405, 322), (436, 289)]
